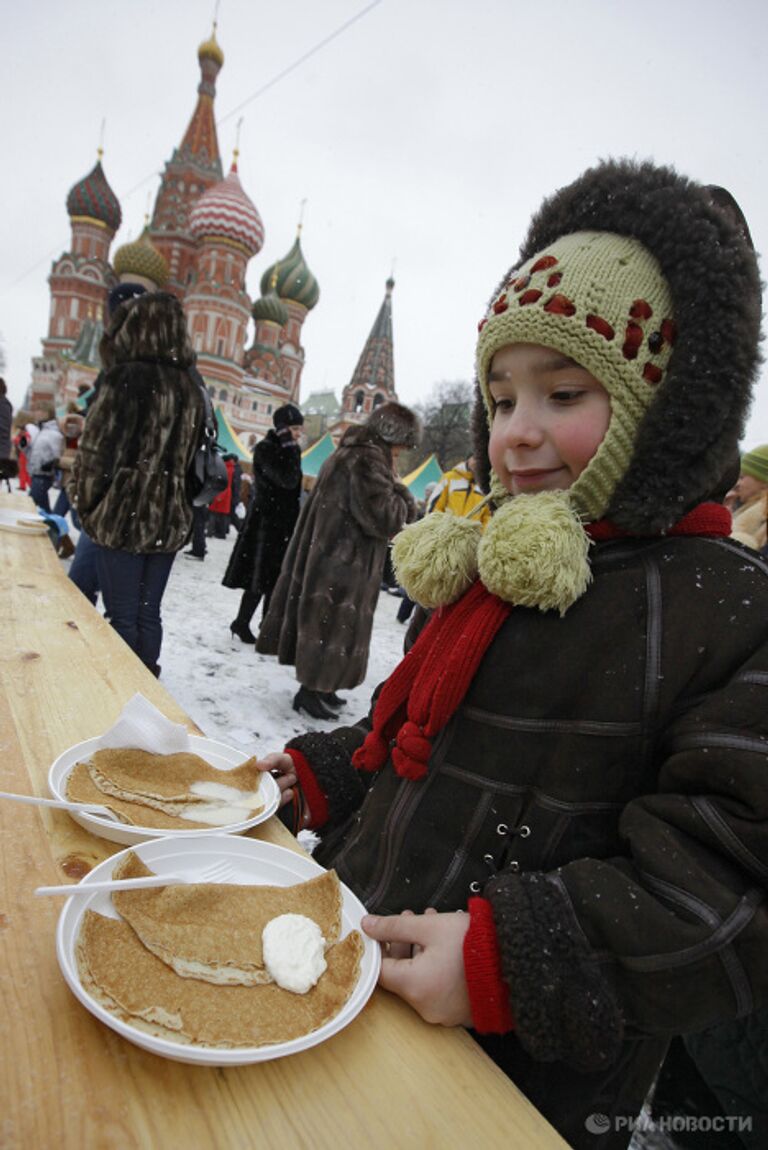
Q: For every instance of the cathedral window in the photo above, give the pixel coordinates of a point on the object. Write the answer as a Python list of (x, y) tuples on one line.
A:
[(359, 400), (378, 399), (223, 395)]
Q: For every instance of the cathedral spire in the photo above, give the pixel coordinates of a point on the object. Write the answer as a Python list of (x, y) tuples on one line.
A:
[(373, 380)]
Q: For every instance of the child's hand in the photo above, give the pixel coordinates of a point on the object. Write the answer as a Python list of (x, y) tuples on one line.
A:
[(423, 962), (280, 766)]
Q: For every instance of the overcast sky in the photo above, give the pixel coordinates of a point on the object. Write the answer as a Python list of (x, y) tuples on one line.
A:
[(425, 134)]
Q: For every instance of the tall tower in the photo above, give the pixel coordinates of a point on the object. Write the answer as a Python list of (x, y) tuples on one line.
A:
[(81, 277), (193, 168), (373, 380), (294, 284), (228, 231)]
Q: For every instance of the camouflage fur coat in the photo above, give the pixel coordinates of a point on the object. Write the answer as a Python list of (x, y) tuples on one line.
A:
[(130, 478)]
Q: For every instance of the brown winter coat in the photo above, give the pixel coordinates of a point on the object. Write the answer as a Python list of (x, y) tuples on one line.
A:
[(603, 784), (321, 613), (130, 474)]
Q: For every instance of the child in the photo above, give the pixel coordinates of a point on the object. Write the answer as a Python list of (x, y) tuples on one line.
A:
[(574, 749)]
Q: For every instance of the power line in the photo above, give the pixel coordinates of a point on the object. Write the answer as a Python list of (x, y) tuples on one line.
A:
[(248, 100)]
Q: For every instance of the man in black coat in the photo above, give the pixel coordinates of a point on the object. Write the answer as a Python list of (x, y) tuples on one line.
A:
[(272, 513)]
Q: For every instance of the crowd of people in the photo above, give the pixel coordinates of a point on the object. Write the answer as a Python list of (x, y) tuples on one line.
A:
[(555, 811)]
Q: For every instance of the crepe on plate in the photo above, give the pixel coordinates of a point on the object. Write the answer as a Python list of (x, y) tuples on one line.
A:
[(213, 931), (120, 973), (151, 790)]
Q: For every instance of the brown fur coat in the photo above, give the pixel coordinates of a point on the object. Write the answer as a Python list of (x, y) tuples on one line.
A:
[(321, 613), (140, 435)]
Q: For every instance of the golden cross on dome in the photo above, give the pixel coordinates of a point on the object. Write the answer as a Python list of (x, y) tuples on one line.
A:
[(100, 149), (236, 151), (302, 205)]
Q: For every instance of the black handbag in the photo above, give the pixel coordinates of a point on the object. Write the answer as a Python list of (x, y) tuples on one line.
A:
[(207, 476)]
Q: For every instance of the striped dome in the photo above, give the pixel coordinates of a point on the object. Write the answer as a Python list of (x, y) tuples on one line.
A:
[(141, 258), (92, 197), (225, 211), (291, 279), (270, 307)]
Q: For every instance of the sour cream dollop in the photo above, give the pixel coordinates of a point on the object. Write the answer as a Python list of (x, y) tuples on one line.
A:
[(294, 952)]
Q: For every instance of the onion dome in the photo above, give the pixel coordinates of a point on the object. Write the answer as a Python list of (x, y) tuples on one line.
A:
[(226, 212), (141, 258), (92, 197), (291, 279), (270, 307), (210, 50)]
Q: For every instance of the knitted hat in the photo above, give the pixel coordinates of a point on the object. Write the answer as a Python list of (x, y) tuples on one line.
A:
[(287, 416), (633, 272), (755, 463), (395, 424), (602, 300)]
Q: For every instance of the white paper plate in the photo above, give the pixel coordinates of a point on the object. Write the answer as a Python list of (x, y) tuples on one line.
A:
[(217, 754), (251, 862)]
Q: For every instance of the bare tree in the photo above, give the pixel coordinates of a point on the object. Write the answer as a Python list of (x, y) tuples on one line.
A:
[(446, 419)]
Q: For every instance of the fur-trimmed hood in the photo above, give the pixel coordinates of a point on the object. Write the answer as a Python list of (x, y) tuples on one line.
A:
[(688, 440), (395, 424)]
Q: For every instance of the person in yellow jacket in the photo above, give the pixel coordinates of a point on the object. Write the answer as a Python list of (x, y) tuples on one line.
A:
[(457, 492), (750, 509)]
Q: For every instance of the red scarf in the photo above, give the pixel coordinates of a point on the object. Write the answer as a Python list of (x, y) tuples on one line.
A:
[(425, 689)]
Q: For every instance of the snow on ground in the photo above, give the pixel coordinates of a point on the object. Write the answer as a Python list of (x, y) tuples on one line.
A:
[(233, 694)]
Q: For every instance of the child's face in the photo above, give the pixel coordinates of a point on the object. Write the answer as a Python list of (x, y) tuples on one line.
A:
[(549, 418)]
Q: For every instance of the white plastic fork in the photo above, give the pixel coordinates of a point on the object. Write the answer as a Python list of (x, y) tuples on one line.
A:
[(216, 873), (117, 884), (61, 804)]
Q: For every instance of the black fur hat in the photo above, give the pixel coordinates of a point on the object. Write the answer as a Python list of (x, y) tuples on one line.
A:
[(395, 424), (287, 416), (689, 437)]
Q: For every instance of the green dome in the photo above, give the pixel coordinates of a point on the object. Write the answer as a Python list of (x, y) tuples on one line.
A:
[(291, 279), (270, 307), (141, 258)]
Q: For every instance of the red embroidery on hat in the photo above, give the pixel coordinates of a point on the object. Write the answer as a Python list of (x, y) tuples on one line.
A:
[(522, 283), (500, 305), (655, 342), (482, 324), (632, 340), (542, 264), (601, 326), (554, 279), (641, 310), (669, 330), (652, 373), (529, 296), (560, 305)]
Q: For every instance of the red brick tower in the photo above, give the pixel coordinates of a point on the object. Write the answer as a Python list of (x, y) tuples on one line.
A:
[(194, 167), (373, 380)]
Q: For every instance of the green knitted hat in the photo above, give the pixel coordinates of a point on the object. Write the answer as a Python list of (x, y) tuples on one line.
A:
[(755, 463), (602, 300)]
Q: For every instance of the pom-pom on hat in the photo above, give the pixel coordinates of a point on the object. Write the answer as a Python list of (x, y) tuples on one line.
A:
[(755, 463), (287, 416)]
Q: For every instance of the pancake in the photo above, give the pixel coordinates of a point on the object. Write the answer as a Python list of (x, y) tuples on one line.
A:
[(212, 931), (149, 782), (123, 976), (81, 788)]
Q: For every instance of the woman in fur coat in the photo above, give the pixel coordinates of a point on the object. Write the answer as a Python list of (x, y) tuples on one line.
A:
[(272, 513), (321, 614), (140, 436)]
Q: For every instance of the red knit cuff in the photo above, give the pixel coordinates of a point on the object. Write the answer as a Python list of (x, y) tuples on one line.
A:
[(488, 993), (315, 802)]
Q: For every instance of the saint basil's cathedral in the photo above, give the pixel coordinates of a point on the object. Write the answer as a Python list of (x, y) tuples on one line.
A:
[(202, 234)]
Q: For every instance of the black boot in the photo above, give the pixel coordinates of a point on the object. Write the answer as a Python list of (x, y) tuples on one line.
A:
[(312, 702), (243, 631), (331, 699)]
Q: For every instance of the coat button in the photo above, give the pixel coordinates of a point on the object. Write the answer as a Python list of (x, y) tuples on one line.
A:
[(474, 887)]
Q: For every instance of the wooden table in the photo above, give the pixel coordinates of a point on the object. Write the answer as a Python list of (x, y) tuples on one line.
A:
[(389, 1079)]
